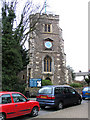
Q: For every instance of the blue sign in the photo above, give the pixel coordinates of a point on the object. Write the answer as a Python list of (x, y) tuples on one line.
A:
[(35, 82)]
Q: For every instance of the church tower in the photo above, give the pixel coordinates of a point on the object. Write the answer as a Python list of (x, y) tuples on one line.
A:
[(47, 57)]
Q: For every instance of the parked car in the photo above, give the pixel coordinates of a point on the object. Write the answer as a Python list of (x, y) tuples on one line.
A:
[(86, 93), (58, 96), (13, 104)]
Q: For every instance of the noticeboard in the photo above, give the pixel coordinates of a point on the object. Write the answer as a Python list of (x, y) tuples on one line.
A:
[(35, 82)]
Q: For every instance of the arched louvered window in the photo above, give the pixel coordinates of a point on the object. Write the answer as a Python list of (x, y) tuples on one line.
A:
[(47, 64)]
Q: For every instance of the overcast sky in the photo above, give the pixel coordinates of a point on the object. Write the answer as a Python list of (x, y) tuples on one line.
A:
[(74, 23), (73, 15)]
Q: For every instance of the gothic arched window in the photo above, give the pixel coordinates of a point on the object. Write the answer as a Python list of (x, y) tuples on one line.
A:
[(47, 64)]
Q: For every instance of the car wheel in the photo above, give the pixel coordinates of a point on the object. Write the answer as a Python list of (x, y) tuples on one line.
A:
[(60, 106), (34, 111), (79, 101), (83, 98), (2, 117), (42, 107)]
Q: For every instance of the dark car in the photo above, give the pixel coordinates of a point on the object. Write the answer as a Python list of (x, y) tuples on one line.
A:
[(86, 93), (13, 104), (58, 96)]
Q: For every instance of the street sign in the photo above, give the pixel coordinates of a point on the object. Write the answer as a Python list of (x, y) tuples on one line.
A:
[(35, 82)]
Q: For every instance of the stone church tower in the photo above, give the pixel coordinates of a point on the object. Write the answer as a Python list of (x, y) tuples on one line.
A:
[(47, 57)]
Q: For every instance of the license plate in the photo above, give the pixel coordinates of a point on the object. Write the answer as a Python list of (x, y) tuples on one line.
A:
[(43, 96)]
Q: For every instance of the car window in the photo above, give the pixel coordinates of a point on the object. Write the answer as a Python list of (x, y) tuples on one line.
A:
[(63, 90), (18, 98), (59, 90), (45, 90), (86, 89), (66, 90), (71, 90), (5, 99)]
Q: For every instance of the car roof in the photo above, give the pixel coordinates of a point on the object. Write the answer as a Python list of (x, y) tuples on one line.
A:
[(87, 87), (7, 92), (57, 86)]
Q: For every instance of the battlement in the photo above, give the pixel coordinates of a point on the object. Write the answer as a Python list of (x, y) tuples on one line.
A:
[(51, 16), (47, 16)]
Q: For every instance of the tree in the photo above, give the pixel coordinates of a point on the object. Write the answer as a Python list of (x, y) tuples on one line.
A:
[(72, 72), (28, 21), (0, 56), (11, 51), (14, 57), (88, 80)]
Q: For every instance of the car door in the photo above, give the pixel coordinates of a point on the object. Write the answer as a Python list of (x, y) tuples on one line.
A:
[(62, 94), (58, 95), (73, 95), (67, 96), (20, 104), (7, 105)]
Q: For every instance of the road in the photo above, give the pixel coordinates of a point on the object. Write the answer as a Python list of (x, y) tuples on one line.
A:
[(77, 111)]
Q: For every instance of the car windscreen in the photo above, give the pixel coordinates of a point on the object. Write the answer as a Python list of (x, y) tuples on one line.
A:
[(86, 89), (45, 90)]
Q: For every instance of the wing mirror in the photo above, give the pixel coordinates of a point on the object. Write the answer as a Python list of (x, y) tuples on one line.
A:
[(28, 99), (73, 92)]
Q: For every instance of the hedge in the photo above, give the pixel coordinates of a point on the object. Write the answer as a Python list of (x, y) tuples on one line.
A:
[(76, 85), (46, 82)]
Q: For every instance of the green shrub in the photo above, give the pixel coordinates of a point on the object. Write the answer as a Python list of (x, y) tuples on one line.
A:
[(76, 85), (46, 82), (87, 81)]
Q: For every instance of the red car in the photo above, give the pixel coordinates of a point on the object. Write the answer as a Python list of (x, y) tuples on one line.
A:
[(13, 104)]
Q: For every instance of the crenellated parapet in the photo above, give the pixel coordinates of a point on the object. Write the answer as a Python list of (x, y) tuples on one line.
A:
[(47, 16)]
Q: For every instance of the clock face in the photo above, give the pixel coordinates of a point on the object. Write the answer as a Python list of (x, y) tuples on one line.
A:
[(48, 44)]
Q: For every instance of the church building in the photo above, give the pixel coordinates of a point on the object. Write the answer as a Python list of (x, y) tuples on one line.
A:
[(46, 51)]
